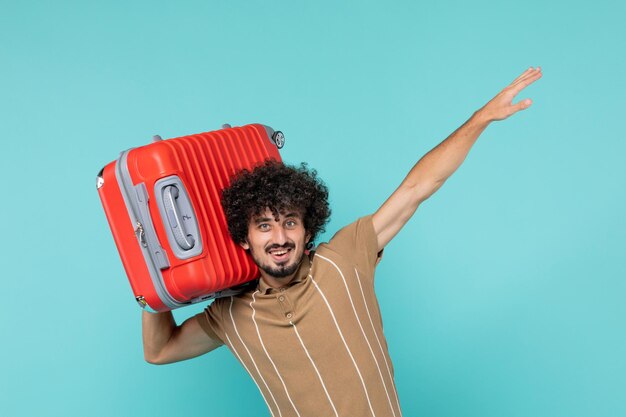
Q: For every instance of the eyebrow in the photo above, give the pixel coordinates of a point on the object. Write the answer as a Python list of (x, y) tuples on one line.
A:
[(269, 219)]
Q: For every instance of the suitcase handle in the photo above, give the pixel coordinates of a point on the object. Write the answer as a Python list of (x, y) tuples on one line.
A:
[(170, 198)]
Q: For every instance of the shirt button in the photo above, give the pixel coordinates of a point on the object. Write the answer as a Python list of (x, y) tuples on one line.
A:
[(282, 289), (281, 298), (289, 315)]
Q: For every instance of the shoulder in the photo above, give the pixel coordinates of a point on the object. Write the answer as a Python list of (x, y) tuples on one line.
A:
[(359, 235), (356, 242), (232, 297), (220, 309), (361, 229)]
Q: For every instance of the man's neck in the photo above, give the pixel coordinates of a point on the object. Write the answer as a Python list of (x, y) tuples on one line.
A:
[(277, 282)]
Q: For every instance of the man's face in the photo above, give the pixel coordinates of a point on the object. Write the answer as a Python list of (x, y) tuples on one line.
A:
[(277, 243)]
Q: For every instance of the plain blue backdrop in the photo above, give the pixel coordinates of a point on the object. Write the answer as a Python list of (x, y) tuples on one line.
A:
[(503, 296)]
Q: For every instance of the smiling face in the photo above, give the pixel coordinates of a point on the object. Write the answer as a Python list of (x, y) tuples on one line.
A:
[(277, 245)]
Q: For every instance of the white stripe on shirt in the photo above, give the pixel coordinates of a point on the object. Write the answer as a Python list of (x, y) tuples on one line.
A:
[(362, 331), (267, 354), (358, 280), (230, 343), (344, 343), (315, 367), (230, 310)]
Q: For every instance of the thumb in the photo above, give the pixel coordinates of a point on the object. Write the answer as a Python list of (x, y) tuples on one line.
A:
[(522, 105)]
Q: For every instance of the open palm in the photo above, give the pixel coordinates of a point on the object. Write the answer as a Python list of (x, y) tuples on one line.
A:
[(501, 106)]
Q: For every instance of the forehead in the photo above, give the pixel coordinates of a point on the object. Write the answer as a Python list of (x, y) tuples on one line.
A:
[(267, 215)]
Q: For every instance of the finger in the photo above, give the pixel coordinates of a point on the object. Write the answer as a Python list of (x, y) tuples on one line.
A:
[(530, 74), (522, 105), (523, 81), (526, 81), (522, 75)]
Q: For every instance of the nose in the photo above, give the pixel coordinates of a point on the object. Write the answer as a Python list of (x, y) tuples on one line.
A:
[(279, 237)]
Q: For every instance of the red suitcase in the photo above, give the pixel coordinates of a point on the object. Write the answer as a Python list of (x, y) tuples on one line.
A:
[(162, 202)]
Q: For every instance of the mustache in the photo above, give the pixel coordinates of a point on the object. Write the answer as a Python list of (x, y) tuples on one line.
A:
[(288, 245)]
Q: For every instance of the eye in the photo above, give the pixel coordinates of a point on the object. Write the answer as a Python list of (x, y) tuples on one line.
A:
[(291, 224), (263, 227)]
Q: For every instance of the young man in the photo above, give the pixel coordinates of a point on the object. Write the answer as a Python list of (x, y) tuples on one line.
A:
[(310, 334)]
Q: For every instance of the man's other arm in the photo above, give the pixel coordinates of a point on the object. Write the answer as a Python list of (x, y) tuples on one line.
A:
[(434, 168), (165, 342)]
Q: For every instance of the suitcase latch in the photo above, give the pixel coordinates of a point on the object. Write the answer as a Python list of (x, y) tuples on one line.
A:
[(141, 301), (141, 235)]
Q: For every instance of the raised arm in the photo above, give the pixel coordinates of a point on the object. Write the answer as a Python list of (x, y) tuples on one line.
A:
[(434, 168), (165, 342)]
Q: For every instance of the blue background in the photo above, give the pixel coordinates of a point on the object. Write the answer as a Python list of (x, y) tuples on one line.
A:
[(504, 295)]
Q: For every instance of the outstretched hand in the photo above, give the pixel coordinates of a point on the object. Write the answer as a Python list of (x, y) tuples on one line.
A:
[(434, 168), (501, 106)]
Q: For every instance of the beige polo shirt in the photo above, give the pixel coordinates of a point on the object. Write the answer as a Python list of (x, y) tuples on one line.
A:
[(315, 348)]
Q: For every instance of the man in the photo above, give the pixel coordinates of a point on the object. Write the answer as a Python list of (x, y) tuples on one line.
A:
[(310, 334)]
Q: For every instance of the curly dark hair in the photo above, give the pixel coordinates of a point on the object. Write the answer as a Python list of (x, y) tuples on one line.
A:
[(280, 188)]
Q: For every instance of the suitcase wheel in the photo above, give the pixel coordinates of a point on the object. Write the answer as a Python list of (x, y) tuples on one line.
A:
[(278, 139)]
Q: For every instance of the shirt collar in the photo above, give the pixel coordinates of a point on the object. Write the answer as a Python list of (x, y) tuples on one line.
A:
[(301, 274)]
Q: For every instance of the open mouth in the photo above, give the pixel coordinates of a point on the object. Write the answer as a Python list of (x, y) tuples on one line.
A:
[(279, 254)]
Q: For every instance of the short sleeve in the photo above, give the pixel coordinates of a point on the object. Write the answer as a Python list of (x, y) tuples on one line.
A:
[(211, 320), (358, 243)]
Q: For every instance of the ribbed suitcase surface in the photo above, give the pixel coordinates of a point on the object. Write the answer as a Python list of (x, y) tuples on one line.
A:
[(202, 165)]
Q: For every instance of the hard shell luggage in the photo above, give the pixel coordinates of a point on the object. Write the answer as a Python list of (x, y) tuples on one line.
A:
[(162, 202)]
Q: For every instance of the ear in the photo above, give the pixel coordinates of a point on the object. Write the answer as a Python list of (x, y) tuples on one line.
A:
[(307, 238), (244, 245)]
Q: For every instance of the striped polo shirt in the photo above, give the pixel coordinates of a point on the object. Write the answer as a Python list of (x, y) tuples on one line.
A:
[(315, 347)]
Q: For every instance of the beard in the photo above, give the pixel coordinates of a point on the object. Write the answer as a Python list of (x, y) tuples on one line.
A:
[(281, 270)]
